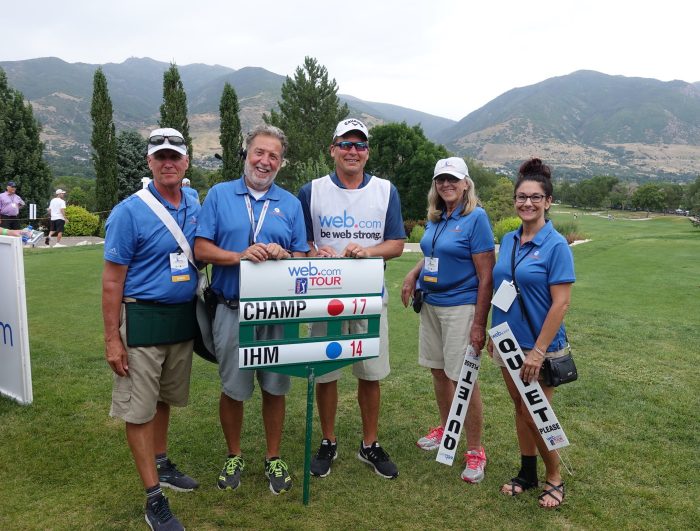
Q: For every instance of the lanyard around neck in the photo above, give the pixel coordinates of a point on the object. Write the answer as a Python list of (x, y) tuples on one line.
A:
[(255, 227), (437, 234)]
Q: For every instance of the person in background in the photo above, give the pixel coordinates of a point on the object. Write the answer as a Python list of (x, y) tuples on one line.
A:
[(148, 290), (350, 191), (540, 261), (250, 218), (57, 212), (187, 188), (455, 278), (10, 203)]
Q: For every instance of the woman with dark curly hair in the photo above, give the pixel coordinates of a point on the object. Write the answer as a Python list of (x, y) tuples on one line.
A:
[(540, 261)]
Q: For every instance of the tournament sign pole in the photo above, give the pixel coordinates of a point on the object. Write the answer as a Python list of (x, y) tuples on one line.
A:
[(299, 291)]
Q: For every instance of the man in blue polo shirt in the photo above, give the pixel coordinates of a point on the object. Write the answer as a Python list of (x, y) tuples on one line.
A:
[(250, 218), (376, 229), (187, 189), (148, 289)]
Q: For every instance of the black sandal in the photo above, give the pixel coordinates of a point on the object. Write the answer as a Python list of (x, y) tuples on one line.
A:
[(522, 483), (550, 492)]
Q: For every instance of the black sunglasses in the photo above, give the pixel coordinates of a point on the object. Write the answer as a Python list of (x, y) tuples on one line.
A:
[(157, 140), (346, 145)]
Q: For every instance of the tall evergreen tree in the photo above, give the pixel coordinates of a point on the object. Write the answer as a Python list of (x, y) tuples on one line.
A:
[(173, 110), (131, 162), (21, 150), (104, 144), (405, 156), (309, 110), (231, 137)]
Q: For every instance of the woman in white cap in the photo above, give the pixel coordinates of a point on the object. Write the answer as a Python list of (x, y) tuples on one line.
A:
[(454, 278)]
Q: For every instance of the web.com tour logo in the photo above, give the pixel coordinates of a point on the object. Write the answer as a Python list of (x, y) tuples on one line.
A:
[(311, 276)]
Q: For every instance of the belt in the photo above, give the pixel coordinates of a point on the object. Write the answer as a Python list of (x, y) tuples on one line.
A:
[(130, 300), (230, 303)]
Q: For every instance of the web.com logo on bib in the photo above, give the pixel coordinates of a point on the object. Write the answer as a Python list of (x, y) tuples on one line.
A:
[(342, 226)]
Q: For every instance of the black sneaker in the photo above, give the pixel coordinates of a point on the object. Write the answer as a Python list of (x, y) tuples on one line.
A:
[(379, 459), (326, 454), (277, 473), (170, 476), (46, 241), (230, 477), (159, 517)]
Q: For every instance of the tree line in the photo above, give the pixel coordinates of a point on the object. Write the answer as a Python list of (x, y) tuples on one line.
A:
[(308, 111)]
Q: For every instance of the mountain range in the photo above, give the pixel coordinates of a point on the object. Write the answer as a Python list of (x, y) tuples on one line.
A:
[(583, 124)]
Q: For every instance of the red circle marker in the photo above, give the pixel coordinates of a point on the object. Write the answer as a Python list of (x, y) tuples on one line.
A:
[(335, 307)]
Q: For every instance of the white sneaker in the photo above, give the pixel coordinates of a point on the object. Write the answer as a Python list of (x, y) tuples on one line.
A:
[(476, 463), (58, 245), (431, 441)]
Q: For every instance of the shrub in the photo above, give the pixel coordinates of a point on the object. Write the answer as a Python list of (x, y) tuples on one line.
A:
[(568, 229), (416, 234), (80, 222), (504, 226), (408, 224)]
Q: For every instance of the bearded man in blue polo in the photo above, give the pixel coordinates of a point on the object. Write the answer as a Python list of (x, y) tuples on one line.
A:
[(250, 218)]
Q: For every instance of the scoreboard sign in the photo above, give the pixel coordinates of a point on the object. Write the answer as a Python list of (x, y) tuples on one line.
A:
[(298, 292)]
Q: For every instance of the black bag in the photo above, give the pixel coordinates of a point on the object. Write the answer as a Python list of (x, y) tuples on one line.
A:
[(417, 300), (205, 310), (561, 370)]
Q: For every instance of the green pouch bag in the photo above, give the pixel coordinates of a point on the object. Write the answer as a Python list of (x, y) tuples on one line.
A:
[(150, 324)]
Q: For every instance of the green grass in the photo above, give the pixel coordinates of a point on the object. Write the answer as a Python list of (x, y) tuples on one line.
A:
[(632, 417)]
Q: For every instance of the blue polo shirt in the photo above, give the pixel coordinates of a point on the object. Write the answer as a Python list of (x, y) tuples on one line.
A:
[(224, 220), (453, 241), (539, 264), (191, 192), (393, 228), (137, 238)]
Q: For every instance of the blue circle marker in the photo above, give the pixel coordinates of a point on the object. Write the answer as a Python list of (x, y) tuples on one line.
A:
[(333, 350)]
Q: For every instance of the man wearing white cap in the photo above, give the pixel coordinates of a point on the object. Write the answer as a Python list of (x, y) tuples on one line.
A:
[(57, 211), (148, 295), (349, 192), (187, 189)]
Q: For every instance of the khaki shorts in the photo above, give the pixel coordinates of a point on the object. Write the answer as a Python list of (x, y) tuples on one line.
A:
[(156, 374), (444, 337), (373, 369)]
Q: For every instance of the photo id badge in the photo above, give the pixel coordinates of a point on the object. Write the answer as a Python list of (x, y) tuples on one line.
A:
[(431, 264), (504, 296), (179, 267)]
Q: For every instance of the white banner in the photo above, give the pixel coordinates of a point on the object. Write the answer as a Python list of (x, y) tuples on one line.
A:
[(302, 353), (304, 277), (458, 411), (15, 368), (537, 404), (266, 310)]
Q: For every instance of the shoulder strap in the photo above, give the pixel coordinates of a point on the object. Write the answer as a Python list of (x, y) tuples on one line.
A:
[(160, 211)]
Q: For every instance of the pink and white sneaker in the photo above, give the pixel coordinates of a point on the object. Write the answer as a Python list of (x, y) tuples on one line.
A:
[(431, 441), (476, 463)]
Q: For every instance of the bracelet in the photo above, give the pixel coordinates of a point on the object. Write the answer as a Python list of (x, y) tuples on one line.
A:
[(537, 349)]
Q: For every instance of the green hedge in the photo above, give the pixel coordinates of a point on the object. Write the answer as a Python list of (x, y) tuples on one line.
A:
[(504, 226), (416, 234), (81, 222)]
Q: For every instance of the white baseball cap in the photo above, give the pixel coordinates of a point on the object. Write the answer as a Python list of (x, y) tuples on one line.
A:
[(452, 166), (185, 181), (166, 138), (350, 124), (59, 191)]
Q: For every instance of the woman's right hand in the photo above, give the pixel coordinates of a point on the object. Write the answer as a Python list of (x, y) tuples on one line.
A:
[(408, 288)]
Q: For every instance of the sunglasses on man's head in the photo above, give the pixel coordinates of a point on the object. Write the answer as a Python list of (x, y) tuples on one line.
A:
[(157, 140), (346, 145)]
